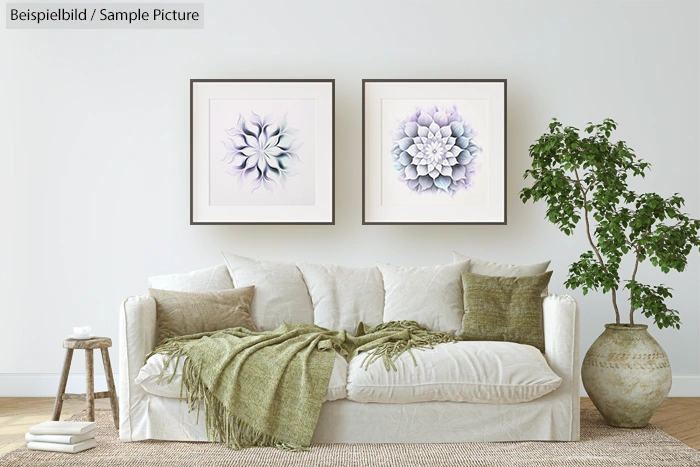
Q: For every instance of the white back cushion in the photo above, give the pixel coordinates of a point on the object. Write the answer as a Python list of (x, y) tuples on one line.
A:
[(211, 279), (280, 292), (431, 296), (469, 371), (343, 296), (489, 268)]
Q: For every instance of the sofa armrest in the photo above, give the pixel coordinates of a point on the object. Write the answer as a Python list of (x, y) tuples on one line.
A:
[(561, 343), (137, 337)]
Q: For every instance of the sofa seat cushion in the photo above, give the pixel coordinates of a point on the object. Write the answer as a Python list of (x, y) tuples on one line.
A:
[(475, 371), (150, 372)]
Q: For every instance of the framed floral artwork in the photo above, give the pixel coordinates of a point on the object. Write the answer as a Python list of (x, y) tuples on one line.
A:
[(434, 151), (262, 151)]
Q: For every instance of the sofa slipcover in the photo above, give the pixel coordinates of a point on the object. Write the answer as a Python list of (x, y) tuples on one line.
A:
[(553, 417)]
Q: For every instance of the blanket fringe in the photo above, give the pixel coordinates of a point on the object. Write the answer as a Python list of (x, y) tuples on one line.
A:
[(419, 338), (221, 424)]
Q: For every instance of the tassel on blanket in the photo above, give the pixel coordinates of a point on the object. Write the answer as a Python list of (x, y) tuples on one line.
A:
[(221, 424), (416, 337)]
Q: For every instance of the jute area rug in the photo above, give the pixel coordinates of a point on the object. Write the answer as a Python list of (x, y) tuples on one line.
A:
[(600, 445)]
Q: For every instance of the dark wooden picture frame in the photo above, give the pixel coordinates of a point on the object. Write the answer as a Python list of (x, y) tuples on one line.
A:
[(392, 89), (276, 164)]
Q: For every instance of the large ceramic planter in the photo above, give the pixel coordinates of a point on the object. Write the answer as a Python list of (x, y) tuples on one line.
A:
[(627, 375)]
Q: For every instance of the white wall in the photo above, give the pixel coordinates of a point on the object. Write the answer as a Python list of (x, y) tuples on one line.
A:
[(94, 134)]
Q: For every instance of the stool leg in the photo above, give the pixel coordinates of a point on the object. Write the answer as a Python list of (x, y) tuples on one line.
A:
[(110, 386), (90, 385), (58, 405)]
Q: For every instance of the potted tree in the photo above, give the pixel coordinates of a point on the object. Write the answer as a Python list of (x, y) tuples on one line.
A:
[(583, 176)]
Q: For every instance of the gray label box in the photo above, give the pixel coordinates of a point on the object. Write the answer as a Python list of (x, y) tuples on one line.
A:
[(105, 16)]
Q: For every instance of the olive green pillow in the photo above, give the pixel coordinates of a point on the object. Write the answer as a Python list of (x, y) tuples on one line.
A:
[(504, 308), (183, 313)]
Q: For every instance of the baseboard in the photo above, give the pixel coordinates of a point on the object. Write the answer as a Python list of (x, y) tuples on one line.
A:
[(46, 384), (683, 386)]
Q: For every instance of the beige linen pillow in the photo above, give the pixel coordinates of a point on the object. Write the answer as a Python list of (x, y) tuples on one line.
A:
[(490, 268), (504, 309), (183, 313), (431, 296)]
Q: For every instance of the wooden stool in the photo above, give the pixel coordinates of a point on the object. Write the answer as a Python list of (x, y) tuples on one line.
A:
[(102, 343)]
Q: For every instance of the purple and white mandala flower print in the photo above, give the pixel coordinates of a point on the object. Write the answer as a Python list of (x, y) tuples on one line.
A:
[(261, 151), (434, 151)]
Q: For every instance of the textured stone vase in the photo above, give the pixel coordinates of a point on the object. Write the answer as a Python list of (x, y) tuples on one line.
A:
[(627, 375)]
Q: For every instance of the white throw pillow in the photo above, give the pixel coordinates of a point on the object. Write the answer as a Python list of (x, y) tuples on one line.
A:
[(280, 292), (431, 296), (150, 372), (343, 296), (469, 371), (489, 268), (211, 279)]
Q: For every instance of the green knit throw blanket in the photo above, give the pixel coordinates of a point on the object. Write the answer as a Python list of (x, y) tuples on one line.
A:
[(266, 388)]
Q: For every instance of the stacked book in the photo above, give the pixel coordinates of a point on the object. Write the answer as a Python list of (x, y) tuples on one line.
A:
[(62, 436)]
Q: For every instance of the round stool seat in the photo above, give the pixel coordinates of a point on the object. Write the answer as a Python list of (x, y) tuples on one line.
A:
[(93, 343)]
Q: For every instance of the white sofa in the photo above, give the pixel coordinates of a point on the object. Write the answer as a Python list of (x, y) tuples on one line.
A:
[(401, 410)]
